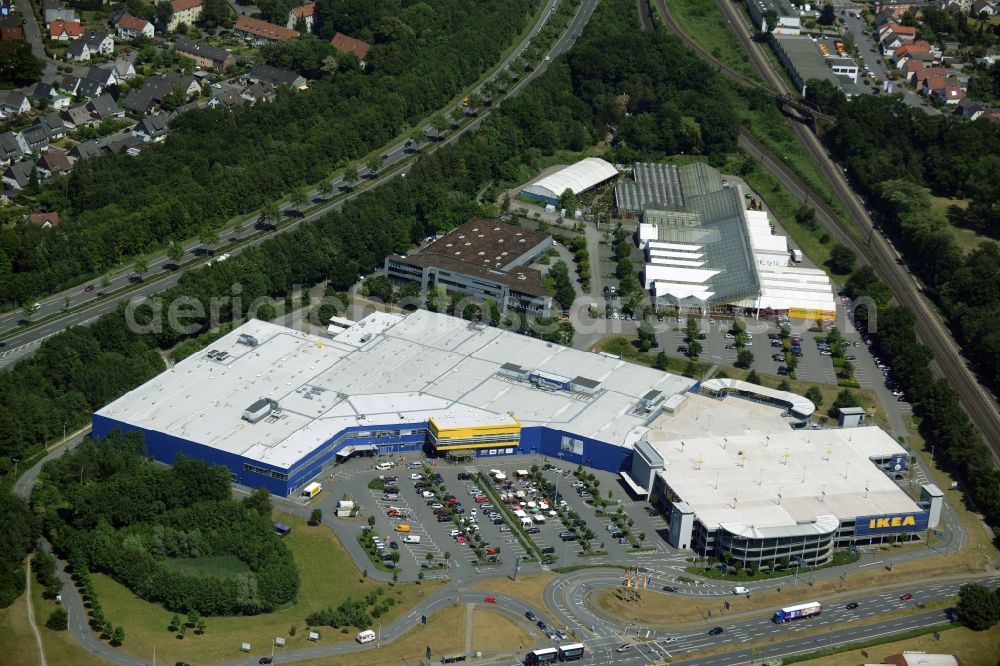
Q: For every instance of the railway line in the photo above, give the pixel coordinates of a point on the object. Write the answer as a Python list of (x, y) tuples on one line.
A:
[(875, 250)]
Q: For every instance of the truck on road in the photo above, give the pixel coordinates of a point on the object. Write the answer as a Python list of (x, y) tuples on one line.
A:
[(796, 255), (797, 612)]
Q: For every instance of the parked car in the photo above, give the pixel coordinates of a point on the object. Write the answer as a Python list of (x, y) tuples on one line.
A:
[(852, 605), (715, 631), (490, 600)]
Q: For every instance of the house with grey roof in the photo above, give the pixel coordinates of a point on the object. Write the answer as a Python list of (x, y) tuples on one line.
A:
[(36, 139), (70, 84), (205, 55), (78, 51), (105, 106), (101, 73), (84, 150), (61, 14), (52, 124), (18, 175), (100, 43), (53, 163), (276, 77), (89, 88), (79, 115), (12, 148), (156, 88), (151, 129), (13, 102)]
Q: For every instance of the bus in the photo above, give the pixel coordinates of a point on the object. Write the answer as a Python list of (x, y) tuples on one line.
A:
[(542, 656), (571, 652), (797, 612)]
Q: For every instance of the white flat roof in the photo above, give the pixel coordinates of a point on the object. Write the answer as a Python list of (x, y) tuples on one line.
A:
[(731, 459), (578, 177), (383, 370)]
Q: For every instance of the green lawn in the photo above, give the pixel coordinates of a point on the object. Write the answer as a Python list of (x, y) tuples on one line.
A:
[(966, 239), (702, 20), (222, 565), (328, 577)]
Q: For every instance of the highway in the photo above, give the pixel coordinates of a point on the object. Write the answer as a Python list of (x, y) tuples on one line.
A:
[(86, 302), (874, 249)]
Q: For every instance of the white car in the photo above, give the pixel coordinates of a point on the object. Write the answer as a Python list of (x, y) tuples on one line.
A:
[(455, 533), (427, 494), (416, 477)]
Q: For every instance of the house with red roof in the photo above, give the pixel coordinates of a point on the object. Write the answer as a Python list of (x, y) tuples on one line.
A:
[(44, 220), (260, 32), (130, 27), (307, 13), (64, 31), (185, 11), (355, 47)]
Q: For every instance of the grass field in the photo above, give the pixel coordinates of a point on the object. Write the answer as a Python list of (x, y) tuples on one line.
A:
[(966, 239), (974, 648), (526, 588), (223, 565), (493, 631), (702, 20), (328, 577)]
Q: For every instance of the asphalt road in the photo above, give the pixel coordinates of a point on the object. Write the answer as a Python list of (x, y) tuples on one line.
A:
[(78, 306)]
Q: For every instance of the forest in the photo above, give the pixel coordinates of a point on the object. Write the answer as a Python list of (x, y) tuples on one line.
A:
[(108, 508), (219, 164), (899, 158)]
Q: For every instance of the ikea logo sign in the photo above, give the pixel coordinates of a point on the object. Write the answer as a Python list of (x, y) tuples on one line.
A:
[(891, 521), (904, 522)]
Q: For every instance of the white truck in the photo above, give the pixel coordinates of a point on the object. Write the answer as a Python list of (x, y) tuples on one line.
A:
[(796, 255)]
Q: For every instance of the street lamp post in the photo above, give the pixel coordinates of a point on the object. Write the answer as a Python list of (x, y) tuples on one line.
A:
[(379, 643)]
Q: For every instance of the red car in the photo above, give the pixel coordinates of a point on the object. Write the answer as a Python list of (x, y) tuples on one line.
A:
[(450, 501), (906, 597), (490, 600), (460, 539), (89, 287), (481, 499), (491, 550)]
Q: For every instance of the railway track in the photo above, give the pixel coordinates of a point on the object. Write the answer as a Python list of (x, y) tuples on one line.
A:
[(949, 363)]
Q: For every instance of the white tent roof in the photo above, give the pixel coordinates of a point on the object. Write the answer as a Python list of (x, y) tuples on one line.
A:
[(578, 177), (681, 291)]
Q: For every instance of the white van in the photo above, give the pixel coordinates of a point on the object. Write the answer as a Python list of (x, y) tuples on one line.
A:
[(741, 590), (411, 538), (366, 636), (383, 466)]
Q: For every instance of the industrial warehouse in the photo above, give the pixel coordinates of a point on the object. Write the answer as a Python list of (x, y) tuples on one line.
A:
[(277, 406), (736, 482), (706, 250)]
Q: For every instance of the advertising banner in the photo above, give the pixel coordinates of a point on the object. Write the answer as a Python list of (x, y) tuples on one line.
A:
[(571, 445), (891, 523)]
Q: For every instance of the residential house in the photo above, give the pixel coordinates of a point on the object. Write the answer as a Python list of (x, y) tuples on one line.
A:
[(64, 31), (259, 32), (18, 175), (122, 144), (185, 11), (987, 7), (85, 149), (355, 47), (100, 43), (38, 93), (60, 15), (151, 129), (155, 89), (78, 51), (933, 86), (951, 94), (70, 84), (105, 106), (905, 34), (44, 220), (922, 74), (36, 139), (900, 55), (89, 88), (10, 27), (276, 77), (13, 102), (969, 108), (259, 92), (306, 13), (12, 148), (79, 115), (205, 55), (53, 163), (226, 100), (123, 70), (130, 27), (103, 75), (53, 125), (60, 102)]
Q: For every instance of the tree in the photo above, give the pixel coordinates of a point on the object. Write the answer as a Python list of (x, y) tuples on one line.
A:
[(841, 259), (827, 17), (192, 618), (417, 136), (844, 399), (351, 174), (118, 636), (175, 252), (260, 501), (58, 620), (744, 359), (567, 200), (214, 14), (316, 517), (785, 385), (201, 625), (209, 237), (299, 197), (371, 521), (753, 377), (141, 266), (978, 607), (374, 163), (771, 20), (270, 213), (175, 623), (440, 124), (814, 395), (18, 66)]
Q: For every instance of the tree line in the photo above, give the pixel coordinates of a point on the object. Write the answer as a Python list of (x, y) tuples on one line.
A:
[(899, 157), (219, 164), (107, 507)]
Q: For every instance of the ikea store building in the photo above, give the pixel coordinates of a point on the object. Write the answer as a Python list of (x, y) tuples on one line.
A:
[(277, 406)]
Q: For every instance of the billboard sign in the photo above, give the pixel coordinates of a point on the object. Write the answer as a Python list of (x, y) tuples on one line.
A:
[(570, 445), (891, 523), (899, 462)]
